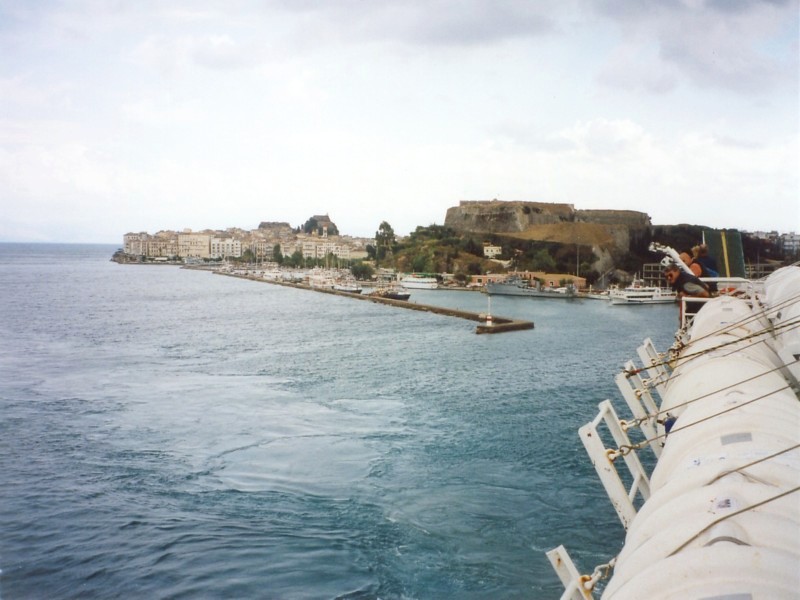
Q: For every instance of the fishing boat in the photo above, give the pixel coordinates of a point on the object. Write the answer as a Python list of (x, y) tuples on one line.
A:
[(514, 285), (347, 284), (718, 515), (638, 293), (415, 281)]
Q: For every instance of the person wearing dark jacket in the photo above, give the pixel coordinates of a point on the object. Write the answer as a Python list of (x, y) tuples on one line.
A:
[(684, 283)]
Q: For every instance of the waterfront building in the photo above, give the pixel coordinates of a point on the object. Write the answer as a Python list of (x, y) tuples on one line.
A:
[(223, 247), (135, 243), (262, 248), (194, 245)]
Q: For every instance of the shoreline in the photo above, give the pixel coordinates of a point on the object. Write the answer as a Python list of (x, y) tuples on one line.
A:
[(497, 324)]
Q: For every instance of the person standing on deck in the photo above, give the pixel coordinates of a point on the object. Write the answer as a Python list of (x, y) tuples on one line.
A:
[(685, 284)]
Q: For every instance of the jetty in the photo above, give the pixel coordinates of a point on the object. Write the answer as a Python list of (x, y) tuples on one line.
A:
[(486, 323)]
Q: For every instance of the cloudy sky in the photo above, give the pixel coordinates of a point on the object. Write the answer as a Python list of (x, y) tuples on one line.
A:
[(143, 115)]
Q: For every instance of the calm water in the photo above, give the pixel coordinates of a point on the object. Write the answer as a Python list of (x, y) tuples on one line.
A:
[(174, 434)]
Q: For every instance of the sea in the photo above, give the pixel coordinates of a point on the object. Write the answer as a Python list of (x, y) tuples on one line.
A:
[(172, 433)]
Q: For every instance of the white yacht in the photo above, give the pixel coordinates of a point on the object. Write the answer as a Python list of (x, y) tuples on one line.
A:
[(419, 282), (637, 293)]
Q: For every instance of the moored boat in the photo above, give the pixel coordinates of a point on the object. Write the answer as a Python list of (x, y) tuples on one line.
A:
[(416, 281), (391, 292), (347, 284), (514, 285), (638, 293)]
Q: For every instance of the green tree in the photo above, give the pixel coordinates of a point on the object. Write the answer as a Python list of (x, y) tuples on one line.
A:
[(422, 263), (472, 247), (276, 254), (542, 261), (296, 259), (362, 271), (474, 268), (384, 240), (310, 225)]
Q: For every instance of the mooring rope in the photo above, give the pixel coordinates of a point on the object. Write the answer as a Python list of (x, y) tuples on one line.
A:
[(733, 514)]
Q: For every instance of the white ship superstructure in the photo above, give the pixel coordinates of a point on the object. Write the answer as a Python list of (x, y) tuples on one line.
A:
[(719, 515)]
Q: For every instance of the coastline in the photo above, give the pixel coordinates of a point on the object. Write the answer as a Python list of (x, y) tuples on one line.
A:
[(494, 325)]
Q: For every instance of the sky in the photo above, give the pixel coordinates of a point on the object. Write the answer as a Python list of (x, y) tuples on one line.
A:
[(125, 116)]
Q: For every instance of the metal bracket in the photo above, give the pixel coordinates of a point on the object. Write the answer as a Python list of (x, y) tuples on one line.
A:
[(641, 403), (620, 497), (570, 578), (654, 363)]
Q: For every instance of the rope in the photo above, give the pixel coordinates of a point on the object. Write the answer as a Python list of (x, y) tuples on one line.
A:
[(765, 312), (733, 514), (755, 462), (626, 449), (600, 572), (788, 325), (640, 420)]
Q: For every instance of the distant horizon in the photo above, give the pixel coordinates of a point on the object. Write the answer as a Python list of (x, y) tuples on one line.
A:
[(171, 114), (119, 242)]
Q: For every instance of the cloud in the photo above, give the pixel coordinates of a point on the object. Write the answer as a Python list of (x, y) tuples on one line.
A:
[(604, 138), (217, 52), (161, 111), (428, 22), (629, 68), (732, 45)]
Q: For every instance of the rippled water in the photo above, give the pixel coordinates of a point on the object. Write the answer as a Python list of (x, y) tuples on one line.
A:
[(169, 433)]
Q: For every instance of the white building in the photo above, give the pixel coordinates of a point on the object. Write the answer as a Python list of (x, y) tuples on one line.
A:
[(222, 247), (490, 251), (790, 242)]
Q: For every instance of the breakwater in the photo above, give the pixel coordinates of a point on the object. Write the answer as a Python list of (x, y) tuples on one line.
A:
[(494, 325)]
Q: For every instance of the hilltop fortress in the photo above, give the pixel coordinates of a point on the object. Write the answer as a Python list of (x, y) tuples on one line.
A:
[(520, 219), (607, 232)]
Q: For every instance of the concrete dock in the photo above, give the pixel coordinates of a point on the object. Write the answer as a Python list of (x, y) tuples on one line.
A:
[(493, 325)]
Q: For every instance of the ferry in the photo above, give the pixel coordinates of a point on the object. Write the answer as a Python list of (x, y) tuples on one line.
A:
[(415, 281), (718, 515), (637, 293)]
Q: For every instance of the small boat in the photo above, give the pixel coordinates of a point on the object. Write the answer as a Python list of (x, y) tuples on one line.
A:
[(347, 284), (637, 293), (419, 282), (514, 285), (594, 295), (350, 288)]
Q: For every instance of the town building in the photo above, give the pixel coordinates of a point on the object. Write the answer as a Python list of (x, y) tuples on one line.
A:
[(194, 245), (135, 244), (224, 247), (790, 243)]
